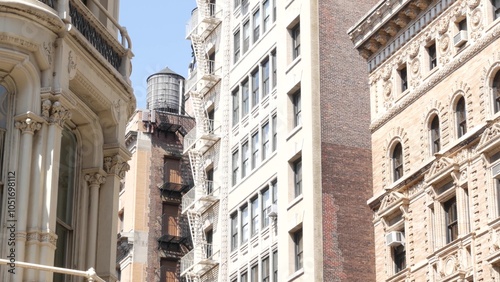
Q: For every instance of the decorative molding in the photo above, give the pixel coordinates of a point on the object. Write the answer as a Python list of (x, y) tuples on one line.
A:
[(28, 126), (49, 50), (95, 179), (444, 71), (72, 65), (490, 138), (58, 114), (48, 238), (33, 236), (115, 165), (439, 169)]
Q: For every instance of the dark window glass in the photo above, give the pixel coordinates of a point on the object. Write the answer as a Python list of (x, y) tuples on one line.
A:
[(461, 117), (435, 135), (450, 208), (236, 106), (297, 171), (265, 270), (296, 41), (404, 79), (255, 215), (234, 231), (265, 78), (399, 254), (236, 46), (255, 88), (297, 240), (431, 50), (297, 109), (397, 162), (496, 91), (245, 100)]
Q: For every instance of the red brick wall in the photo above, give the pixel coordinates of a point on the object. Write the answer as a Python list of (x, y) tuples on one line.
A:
[(346, 156)]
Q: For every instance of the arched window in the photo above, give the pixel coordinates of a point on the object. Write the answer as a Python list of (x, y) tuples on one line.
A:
[(461, 117), (435, 135), (496, 91), (397, 161), (65, 202)]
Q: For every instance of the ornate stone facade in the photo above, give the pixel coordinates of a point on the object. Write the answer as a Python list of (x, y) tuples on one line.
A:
[(449, 192)]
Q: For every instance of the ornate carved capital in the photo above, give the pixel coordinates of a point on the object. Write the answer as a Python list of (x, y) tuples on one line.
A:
[(58, 114), (28, 126), (95, 179), (115, 165)]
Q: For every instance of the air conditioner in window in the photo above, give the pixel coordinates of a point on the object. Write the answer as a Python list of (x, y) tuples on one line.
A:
[(460, 38), (273, 211), (394, 238)]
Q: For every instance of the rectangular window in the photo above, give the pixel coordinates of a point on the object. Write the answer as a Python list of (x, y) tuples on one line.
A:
[(234, 231), (275, 266), (254, 273), (265, 270), (245, 98), (266, 146), (450, 208), (235, 167), (255, 88), (296, 41), (297, 109), (236, 46), (399, 256), (404, 79), (236, 106), (245, 155), (275, 132), (431, 51), (297, 175), (256, 26), (237, 3), (265, 78), (244, 224), (244, 277), (244, 6), (209, 238), (275, 192), (275, 68), (297, 240), (266, 206), (255, 215), (267, 15), (246, 36), (255, 150)]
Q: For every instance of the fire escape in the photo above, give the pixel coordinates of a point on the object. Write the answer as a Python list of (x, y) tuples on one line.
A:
[(198, 141)]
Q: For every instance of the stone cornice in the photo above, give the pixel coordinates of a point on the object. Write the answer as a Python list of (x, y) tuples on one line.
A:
[(383, 23), (467, 54)]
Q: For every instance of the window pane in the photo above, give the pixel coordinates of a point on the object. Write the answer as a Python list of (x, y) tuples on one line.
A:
[(255, 150), (244, 224), (265, 270), (275, 132), (255, 88), (245, 98), (234, 231), (298, 177), (297, 109), (265, 78), (266, 205), (236, 46), (266, 147), (298, 249), (245, 156), (235, 167), (236, 106), (296, 41), (397, 162), (267, 15), (246, 36), (256, 26), (255, 216)]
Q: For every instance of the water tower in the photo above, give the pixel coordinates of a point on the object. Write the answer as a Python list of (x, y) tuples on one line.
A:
[(165, 91)]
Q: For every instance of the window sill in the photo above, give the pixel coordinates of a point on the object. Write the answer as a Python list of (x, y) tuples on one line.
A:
[(295, 62), (400, 276), (295, 201), (296, 275), (293, 132)]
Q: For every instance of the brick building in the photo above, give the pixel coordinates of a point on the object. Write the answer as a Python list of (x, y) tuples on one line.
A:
[(434, 79), (153, 235), (281, 152)]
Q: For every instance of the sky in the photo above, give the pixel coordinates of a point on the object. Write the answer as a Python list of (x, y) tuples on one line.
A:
[(157, 29)]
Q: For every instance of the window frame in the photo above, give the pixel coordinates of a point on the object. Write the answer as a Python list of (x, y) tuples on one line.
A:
[(451, 219), (432, 54), (245, 156), (245, 221), (274, 121), (403, 76), (234, 231), (256, 25), (255, 150), (266, 146), (235, 167), (298, 249), (255, 212), (266, 87), (236, 46), (297, 108), (245, 97), (266, 9), (236, 105), (246, 36), (266, 203), (495, 86), (266, 273)]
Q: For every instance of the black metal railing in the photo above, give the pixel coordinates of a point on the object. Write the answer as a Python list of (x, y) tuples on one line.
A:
[(50, 3), (95, 38)]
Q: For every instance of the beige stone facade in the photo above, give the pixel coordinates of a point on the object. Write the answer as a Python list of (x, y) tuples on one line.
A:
[(65, 99), (434, 78)]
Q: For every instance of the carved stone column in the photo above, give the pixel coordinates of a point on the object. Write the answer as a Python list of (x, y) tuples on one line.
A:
[(56, 118), (115, 167), (94, 183), (28, 124), (36, 196)]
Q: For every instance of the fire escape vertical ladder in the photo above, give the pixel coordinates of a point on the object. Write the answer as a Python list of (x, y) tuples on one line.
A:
[(225, 129), (201, 56)]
